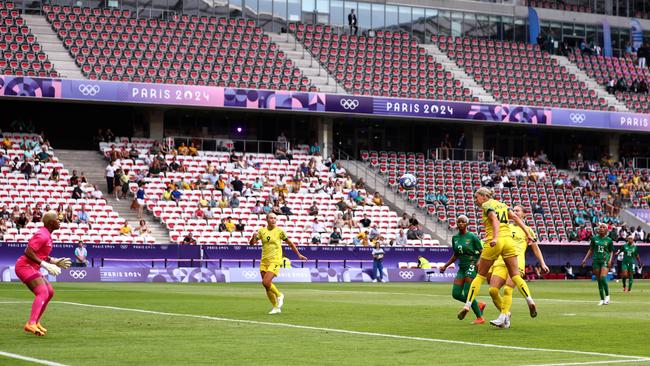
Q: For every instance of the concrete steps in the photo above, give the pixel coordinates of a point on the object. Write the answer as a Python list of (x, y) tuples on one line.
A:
[(477, 90), (592, 84), (309, 67), (53, 47), (92, 163)]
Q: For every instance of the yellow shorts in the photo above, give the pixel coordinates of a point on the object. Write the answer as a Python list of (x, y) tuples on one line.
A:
[(500, 269), (505, 247), (270, 266)]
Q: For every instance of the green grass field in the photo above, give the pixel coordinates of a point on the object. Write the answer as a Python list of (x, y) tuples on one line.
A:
[(322, 324)]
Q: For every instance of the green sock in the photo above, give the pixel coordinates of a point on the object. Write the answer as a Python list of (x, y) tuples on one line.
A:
[(600, 289), (457, 293), (629, 287), (475, 308), (605, 286), (624, 285)]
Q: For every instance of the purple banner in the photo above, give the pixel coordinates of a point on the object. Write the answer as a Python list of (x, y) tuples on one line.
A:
[(642, 214), (219, 97)]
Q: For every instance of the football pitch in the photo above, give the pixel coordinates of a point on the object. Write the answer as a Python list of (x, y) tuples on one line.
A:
[(321, 324)]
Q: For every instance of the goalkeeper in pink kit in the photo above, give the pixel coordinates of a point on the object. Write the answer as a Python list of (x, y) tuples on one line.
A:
[(28, 270)]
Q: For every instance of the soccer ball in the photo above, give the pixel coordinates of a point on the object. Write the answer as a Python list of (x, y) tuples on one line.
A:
[(407, 181)]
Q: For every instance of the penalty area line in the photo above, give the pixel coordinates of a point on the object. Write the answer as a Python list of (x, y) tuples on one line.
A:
[(30, 359), (353, 332)]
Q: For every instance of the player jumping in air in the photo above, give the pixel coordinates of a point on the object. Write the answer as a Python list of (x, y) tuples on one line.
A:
[(272, 238), (601, 247), (499, 272), (630, 254), (498, 242), (28, 265), (467, 249)]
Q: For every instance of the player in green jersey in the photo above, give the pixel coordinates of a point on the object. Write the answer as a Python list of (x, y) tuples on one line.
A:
[(467, 249), (601, 247), (630, 254)]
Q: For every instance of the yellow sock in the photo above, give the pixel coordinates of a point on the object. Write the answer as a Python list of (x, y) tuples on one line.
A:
[(474, 288), (507, 300), (275, 290), (523, 287), (496, 297), (272, 298)]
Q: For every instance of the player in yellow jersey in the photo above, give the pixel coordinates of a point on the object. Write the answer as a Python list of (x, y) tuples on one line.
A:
[(498, 274), (498, 242), (272, 238)]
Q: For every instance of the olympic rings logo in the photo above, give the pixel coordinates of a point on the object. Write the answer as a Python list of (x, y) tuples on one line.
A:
[(89, 90), (349, 104), (249, 275), (78, 274), (577, 117), (407, 275)]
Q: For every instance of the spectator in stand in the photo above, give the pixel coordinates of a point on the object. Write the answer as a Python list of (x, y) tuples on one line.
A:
[(258, 208), (377, 200), (199, 213), (230, 226), (361, 239), (37, 214), (222, 226), (404, 222), (167, 194), (401, 239), (352, 22), (314, 149), (335, 237), (54, 176), (348, 218), (341, 205), (573, 234), (193, 150), (143, 229), (537, 208), (282, 141), (313, 209), (22, 221), (126, 230), (77, 192), (584, 234), (643, 87), (611, 85), (414, 233), (374, 234), (441, 197), (365, 221), (642, 54), (267, 208), (82, 216), (176, 195), (445, 147), (189, 239), (430, 197), (621, 85), (285, 209), (240, 226), (26, 168), (237, 184), (283, 154), (234, 201), (67, 216), (413, 221)]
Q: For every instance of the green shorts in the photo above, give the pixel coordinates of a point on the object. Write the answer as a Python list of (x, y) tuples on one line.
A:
[(598, 265), (628, 266), (464, 272)]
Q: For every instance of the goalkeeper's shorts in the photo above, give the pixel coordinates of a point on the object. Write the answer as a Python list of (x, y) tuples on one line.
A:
[(26, 273)]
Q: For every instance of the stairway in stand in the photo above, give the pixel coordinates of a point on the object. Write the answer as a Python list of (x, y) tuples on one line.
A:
[(92, 163)]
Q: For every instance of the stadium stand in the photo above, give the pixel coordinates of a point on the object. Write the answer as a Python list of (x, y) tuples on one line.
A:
[(203, 205), (563, 6), (446, 189), (387, 64), (48, 186), (519, 73), (21, 53), (111, 44), (604, 68)]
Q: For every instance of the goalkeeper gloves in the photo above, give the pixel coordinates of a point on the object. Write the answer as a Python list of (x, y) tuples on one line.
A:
[(63, 263), (51, 268)]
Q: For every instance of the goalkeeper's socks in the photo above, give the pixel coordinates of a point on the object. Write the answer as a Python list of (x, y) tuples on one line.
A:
[(42, 297), (50, 294)]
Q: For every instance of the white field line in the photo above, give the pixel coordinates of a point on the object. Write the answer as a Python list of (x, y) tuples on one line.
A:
[(449, 296), (30, 359), (593, 362), (352, 332)]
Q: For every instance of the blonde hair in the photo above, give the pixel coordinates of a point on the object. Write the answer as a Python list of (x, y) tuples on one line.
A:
[(462, 218), (49, 217), (485, 192)]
